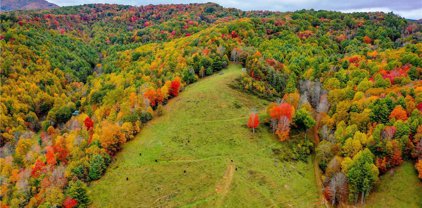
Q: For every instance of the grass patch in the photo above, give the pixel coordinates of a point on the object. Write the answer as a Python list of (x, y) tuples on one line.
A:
[(399, 189), (201, 154)]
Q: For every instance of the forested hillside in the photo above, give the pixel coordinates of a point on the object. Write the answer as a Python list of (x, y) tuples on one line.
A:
[(79, 82)]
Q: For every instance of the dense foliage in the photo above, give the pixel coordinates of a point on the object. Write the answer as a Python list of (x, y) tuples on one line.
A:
[(78, 82)]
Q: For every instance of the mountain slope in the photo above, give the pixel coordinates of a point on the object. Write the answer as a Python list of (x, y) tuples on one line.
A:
[(79, 82), (10, 5), (200, 153)]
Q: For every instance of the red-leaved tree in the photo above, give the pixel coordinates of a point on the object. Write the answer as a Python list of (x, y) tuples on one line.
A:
[(367, 40), (51, 158), (89, 124), (60, 149), (151, 95), (69, 203), (37, 169), (253, 121), (283, 109), (175, 87), (281, 117), (327, 193)]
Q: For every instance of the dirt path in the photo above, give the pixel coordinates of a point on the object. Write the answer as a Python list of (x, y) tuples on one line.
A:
[(223, 186), (317, 171)]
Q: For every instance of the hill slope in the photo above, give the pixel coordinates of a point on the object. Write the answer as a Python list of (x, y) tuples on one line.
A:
[(79, 82), (201, 153), (399, 188), (9, 5)]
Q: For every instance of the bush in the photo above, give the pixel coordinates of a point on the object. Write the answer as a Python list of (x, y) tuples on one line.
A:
[(302, 149), (159, 110), (133, 117), (145, 117), (208, 71)]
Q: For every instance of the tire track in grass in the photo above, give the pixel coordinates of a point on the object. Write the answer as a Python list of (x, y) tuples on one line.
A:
[(223, 186)]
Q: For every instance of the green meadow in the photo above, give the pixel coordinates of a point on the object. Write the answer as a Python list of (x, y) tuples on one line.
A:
[(201, 154)]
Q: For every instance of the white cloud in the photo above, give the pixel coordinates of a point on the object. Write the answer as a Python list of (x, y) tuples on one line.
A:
[(410, 14)]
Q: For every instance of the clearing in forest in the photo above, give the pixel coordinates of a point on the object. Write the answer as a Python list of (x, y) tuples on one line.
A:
[(200, 153)]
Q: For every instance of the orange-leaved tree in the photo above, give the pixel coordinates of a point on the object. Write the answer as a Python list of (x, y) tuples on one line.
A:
[(111, 137), (151, 95), (281, 116), (253, 121), (38, 168), (51, 158), (60, 149), (419, 168), (367, 40), (399, 113)]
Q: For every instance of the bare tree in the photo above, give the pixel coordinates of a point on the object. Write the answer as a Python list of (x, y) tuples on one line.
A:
[(23, 183), (338, 187), (234, 55), (323, 105), (57, 176), (388, 132), (324, 132), (419, 150), (315, 93), (304, 99)]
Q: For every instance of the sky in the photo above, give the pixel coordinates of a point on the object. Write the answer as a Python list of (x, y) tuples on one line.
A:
[(411, 9)]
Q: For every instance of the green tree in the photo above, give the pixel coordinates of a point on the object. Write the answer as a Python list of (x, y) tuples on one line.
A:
[(303, 119), (63, 114), (362, 175), (78, 191), (402, 129), (380, 111), (381, 82), (97, 167), (291, 84)]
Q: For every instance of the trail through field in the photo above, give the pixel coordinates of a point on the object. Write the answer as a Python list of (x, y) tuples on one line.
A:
[(200, 153), (223, 186)]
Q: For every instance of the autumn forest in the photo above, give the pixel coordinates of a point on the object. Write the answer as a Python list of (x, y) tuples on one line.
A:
[(101, 95)]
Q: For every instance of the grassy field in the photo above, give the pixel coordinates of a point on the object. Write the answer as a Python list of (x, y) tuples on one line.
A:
[(201, 154), (399, 189)]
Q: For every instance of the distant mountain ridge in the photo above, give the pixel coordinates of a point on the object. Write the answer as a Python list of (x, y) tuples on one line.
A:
[(10, 5)]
